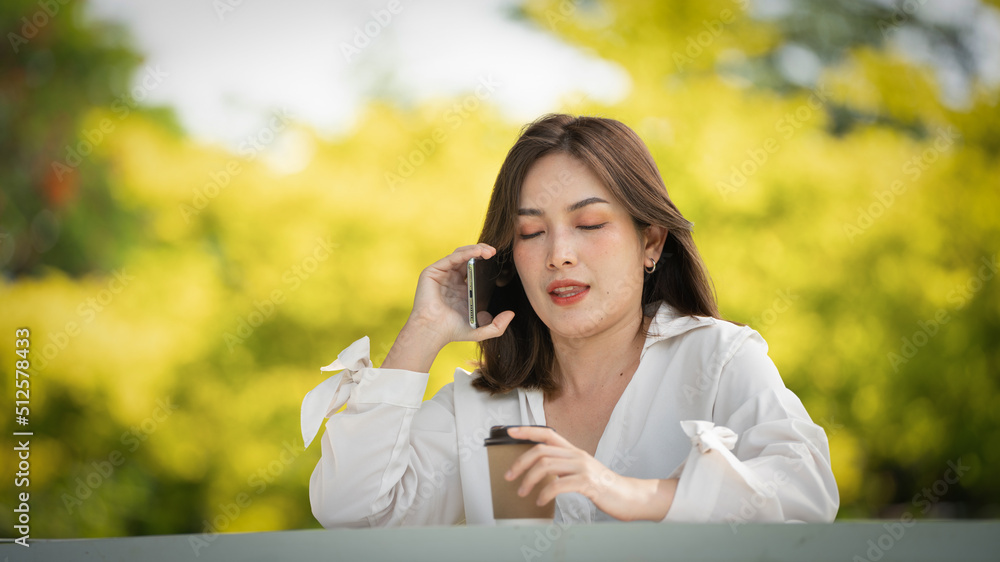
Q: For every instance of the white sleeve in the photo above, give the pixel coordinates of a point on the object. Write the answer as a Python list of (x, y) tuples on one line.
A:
[(780, 467), (389, 458)]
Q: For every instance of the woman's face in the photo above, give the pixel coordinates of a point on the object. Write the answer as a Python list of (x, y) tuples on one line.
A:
[(572, 231)]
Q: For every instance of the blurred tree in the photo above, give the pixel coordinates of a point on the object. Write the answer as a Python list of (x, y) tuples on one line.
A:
[(55, 208)]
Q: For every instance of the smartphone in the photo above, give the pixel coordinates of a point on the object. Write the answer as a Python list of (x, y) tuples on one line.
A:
[(481, 280)]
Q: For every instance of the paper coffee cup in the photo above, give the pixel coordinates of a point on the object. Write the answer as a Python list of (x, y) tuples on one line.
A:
[(508, 507)]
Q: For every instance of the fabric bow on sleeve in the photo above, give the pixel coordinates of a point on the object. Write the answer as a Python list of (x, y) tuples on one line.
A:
[(707, 436), (709, 464), (330, 395)]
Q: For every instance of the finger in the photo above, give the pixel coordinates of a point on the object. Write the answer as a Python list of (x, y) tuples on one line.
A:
[(543, 468), (463, 254), (454, 265), (484, 318), (494, 329), (531, 456), (563, 485), (545, 435)]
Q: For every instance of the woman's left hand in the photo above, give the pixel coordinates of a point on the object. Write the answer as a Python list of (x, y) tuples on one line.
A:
[(619, 496)]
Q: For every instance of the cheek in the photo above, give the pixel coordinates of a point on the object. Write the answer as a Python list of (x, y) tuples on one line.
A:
[(613, 249), (521, 260), (618, 262), (517, 253)]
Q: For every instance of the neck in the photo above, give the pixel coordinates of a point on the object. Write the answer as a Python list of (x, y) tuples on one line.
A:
[(586, 365)]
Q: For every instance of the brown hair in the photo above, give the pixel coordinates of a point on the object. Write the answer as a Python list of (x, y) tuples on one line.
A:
[(523, 355)]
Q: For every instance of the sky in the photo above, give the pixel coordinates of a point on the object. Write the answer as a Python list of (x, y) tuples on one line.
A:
[(228, 64)]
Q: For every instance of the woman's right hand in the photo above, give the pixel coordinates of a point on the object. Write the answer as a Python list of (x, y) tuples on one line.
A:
[(440, 312)]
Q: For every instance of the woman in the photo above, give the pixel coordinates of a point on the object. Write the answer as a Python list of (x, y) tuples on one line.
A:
[(607, 332)]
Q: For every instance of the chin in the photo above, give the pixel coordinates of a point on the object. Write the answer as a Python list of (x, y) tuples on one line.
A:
[(574, 323)]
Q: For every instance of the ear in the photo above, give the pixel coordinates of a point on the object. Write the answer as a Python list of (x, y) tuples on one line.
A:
[(654, 237)]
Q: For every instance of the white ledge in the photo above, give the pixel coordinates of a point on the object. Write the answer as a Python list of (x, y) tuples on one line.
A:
[(882, 541)]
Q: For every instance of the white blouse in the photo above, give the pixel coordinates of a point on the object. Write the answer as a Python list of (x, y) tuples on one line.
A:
[(706, 405)]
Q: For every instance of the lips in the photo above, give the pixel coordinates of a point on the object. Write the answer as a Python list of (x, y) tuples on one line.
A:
[(567, 291)]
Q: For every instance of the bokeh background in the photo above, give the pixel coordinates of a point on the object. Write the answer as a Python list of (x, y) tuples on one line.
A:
[(204, 202)]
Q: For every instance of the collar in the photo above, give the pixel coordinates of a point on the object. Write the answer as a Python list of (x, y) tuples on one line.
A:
[(668, 322)]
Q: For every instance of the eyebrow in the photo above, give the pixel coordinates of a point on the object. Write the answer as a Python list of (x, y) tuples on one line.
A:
[(575, 206)]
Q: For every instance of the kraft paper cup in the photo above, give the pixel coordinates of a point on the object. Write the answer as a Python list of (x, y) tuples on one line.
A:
[(508, 507)]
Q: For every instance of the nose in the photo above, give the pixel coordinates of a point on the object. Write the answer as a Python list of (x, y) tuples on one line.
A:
[(561, 251)]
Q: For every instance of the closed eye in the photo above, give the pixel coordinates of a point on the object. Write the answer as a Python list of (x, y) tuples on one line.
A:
[(582, 227)]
